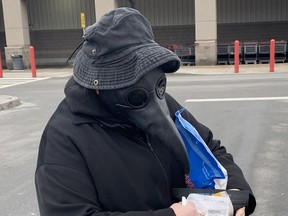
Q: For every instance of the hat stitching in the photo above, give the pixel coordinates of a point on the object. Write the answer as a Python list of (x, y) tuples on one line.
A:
[(142, 69)]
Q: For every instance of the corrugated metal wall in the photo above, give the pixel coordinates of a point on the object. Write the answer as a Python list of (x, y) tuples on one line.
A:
[(181, 12), (168, 35), (164, 12), (249, 11), (2, 35), (59, 14), (55, 27), (53, 47), (1, 17), (55, 24), (247, 32), (252, 20), (173, 21)]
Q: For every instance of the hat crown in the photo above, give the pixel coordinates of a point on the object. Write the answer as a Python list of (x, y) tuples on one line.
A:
[(118, 50), (109, 35)]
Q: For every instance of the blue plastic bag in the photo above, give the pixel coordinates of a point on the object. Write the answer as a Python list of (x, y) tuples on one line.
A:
[(205, 169)]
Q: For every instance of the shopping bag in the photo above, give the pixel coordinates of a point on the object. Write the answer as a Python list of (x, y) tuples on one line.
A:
[(205, 169)]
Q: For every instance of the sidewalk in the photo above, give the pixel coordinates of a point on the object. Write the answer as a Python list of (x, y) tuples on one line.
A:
[(204, 70), (40, 73), (9, 101), (229, 69)]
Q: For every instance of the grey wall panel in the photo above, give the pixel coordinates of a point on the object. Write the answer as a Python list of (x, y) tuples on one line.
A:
[(59, 14), (1, 17), (181, 12), (2, 45), (2, 35), (169, 35), (53, 47), (240, 11), (164, 12), (245, 32)]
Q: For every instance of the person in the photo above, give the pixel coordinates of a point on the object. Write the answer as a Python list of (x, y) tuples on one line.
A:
[(111, 147)]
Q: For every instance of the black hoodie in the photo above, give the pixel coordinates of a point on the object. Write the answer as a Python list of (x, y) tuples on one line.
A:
[(91, 163)]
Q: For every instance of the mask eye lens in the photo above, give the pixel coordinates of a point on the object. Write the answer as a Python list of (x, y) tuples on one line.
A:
[(161, 88), (137, 98)]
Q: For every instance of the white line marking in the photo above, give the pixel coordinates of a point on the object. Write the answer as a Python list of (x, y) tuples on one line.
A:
[(63, 76), (24, 78), (27, 80), (235, 99)]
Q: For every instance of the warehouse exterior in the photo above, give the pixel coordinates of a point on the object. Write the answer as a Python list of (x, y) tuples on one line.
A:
[(54, 27)]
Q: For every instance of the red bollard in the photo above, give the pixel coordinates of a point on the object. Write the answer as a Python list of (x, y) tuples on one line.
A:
[(236, 56), (32, 61), (1, 70), (272, 55)]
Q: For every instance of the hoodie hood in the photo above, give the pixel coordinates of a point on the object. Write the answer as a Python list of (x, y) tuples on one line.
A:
[(87, 106)]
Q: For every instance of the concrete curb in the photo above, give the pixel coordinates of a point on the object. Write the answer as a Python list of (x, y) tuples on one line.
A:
[(7, 102)]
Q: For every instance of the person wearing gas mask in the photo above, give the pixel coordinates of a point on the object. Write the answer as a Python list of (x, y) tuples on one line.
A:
[(111, 147)]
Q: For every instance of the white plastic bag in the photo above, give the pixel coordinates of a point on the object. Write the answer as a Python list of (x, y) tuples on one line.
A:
[(212, 205)]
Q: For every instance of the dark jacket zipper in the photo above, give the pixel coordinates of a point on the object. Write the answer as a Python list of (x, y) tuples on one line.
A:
[(146, 143), (157, 159)]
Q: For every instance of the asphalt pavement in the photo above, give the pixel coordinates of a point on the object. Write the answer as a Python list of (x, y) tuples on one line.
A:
[(15, 77), (246, 111)]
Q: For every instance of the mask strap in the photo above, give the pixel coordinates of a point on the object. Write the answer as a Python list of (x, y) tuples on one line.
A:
[(79, 45)]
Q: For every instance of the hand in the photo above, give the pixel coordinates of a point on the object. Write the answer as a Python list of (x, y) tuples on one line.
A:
[(240, 212), (187, 210)]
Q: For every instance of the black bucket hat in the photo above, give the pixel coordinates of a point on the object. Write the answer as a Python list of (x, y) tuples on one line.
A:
[(118, 50)]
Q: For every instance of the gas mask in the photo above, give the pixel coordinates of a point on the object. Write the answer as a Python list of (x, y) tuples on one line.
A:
[(143, 104)]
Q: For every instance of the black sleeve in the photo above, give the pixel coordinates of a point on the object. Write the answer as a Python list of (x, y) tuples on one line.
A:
[(236, 179), (59, 194)]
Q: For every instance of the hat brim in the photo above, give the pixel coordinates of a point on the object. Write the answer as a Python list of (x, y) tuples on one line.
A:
[(123, 68)]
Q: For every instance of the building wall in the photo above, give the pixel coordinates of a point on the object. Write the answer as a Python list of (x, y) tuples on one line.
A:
[(173, 21), (1, 17), (59, 14), (252, 20), (55, 28), (2, 45), (164, 12), (245, 20), (181, 12), (176, 35), (53, 47), (252, 11), (252, 32), (2, 33)]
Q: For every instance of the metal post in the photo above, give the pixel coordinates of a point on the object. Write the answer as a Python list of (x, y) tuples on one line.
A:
[(32, 61), (236, 56), (272, 55)]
